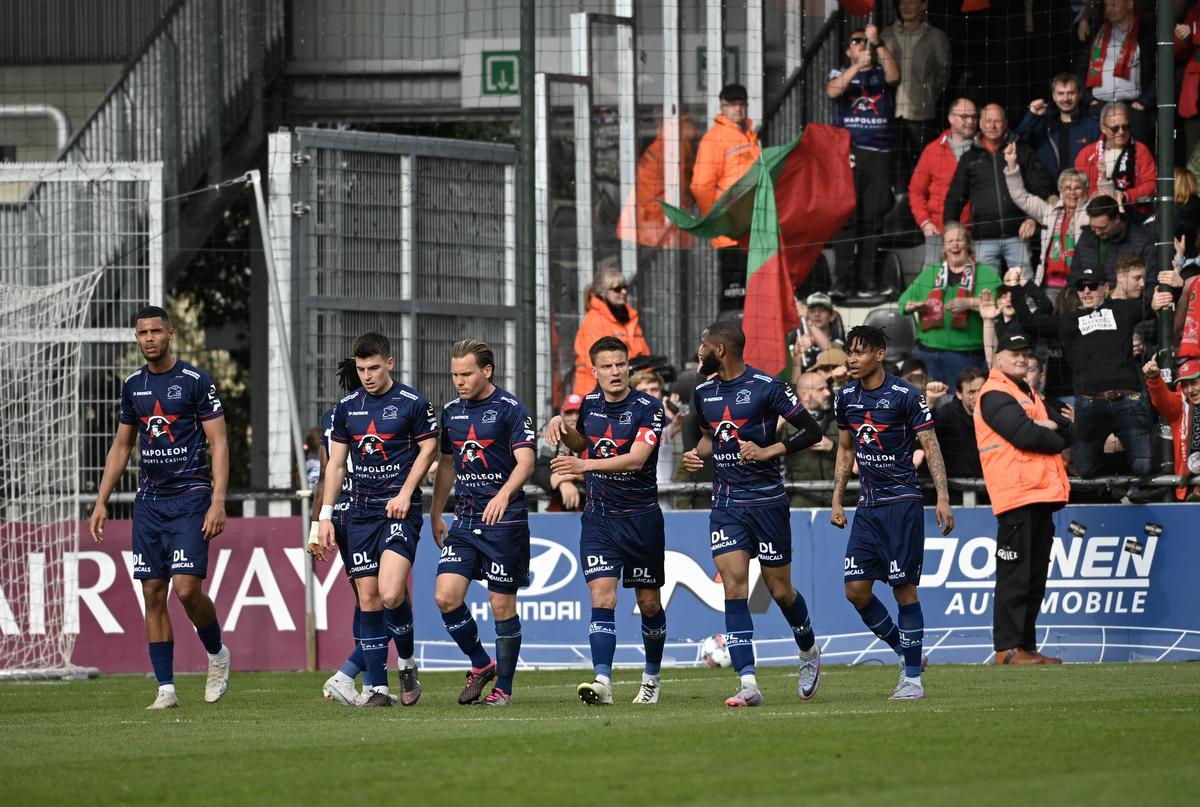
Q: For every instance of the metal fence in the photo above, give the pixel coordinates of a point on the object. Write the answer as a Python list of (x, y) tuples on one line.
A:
[(412, 237)]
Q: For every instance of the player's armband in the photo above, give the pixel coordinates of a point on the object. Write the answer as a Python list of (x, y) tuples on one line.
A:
[(806, 435)]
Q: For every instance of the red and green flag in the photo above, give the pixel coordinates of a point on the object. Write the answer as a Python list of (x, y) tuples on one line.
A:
[(794, 199)]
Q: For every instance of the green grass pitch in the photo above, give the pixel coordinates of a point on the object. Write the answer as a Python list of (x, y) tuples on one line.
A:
[(1077, 734)]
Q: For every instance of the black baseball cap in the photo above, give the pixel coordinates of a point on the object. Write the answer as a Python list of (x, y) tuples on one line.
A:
[(1088, 275), (734, 92), (1014, 341)]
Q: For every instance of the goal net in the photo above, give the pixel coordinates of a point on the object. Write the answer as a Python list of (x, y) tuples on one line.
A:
[(39, 470)]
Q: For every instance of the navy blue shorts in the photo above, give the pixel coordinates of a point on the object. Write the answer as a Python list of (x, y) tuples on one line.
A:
[(765, 532), (370, 533), (635, 545), (498, 554), (887, 542), (168, 536)]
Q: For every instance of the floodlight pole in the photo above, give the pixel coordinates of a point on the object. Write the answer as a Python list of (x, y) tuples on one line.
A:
[(289, 385), (526, 224), (1165, 209)]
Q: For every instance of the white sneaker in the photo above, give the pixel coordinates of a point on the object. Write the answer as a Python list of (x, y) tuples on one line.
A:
[(167, 699), (595, 693), (218, 676), (341, 690), (746, 696), (648, 692), (907, 690), (810, 674)]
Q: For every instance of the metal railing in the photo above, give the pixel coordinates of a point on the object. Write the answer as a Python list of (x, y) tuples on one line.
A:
[(802, 98), (188, 89)]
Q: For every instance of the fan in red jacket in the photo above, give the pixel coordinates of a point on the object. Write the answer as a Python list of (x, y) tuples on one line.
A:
[(1182, 411), (1117, 164), (931, 178)]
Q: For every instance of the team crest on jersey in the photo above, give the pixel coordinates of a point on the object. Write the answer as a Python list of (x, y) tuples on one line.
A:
[(489, 416), (158, 424), (174, 392), (743, 396), (868, 431), (884, 403), (626, 418), (726, 429), (371, 444), (389, 413), (606, 445), (473, 448)]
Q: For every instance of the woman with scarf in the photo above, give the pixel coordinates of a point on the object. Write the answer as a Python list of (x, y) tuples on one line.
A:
[(1181, 409), (1117, 164), (608, 314), (1061, 222), (944, 300)]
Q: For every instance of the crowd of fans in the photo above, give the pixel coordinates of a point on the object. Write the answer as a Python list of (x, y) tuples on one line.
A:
[(1045, 230)]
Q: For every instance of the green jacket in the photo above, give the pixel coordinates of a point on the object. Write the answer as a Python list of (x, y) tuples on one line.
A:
[(948, 337)]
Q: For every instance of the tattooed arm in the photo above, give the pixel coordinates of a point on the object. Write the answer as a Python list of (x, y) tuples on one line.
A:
[(937, 469), (841, 476)]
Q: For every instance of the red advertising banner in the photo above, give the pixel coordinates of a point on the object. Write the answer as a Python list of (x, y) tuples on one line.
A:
[(256, 579)]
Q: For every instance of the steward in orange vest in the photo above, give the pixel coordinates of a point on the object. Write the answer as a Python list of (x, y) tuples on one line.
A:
[(1020, 447)]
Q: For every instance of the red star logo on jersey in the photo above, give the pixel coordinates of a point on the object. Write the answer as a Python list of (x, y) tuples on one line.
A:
[(606, 445), (727, 429), (159, 423), (371, 443), (868, 431), (472, 448)]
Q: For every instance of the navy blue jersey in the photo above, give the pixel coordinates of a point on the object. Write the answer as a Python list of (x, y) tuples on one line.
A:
[(866, 108), (482, 437), (611, 430), (885, 422), (169, 410), (343, 499), (382, 432), (746, 408)]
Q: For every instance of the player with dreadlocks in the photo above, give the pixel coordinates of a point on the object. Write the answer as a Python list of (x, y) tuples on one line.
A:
[(881, 418), (340, 686)]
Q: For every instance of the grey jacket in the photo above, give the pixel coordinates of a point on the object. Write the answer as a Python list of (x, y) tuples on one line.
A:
[(929, 71)]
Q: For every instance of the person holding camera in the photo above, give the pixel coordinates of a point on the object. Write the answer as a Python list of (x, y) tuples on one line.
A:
[(1000, 228), (945, 300)]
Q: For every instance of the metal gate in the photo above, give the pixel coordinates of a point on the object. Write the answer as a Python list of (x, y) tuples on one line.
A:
[(413, 237), (59, 221)]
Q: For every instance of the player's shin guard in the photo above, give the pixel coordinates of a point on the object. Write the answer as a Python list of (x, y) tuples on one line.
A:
[(875, 616), (508, 648), (374, 643), (162, 659), (210, 637), (399, 622), (739, 636), (912, 635), (797, 616), (355, 662), (602, 636), (465, 633), (654, 638)]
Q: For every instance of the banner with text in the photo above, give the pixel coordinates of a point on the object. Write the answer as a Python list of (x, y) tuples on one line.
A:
[(1120, 589)]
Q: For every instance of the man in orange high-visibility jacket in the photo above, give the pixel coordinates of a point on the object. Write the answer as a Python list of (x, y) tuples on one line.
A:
[(1020, 448), (726, 152)]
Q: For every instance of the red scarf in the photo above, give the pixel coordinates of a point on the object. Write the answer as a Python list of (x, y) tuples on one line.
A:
[(1189, 341), (1124, 65), (933, 314)]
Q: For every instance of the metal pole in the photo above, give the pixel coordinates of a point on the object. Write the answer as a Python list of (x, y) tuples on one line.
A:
[(289, 383), (1165, 218), (526, 281)]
